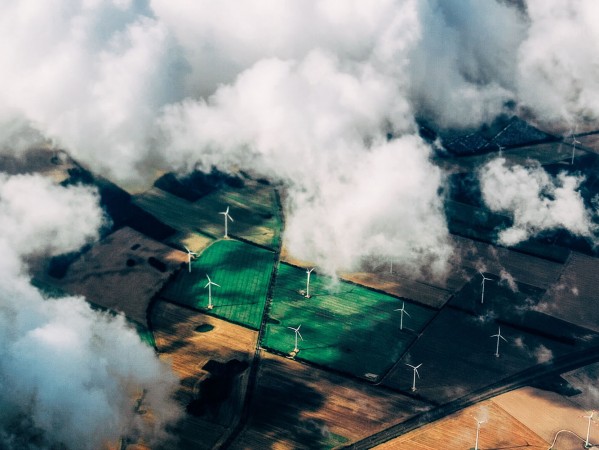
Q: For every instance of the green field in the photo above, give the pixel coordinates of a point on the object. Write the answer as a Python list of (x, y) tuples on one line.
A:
[(254, 208), (243, 272), (345, 327)]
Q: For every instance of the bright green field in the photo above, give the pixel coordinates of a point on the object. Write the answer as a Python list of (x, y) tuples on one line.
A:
[(243, 271), (345, 327)]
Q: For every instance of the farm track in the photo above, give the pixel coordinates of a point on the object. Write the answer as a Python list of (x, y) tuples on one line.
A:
[(521, 379)]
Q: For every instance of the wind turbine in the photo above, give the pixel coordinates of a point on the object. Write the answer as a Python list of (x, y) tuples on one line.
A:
[(587, 444), (190, 255), (498, 336), (227, 217), (297, 333), (574, 142), (403, 311), (415, 373), (308, 272), (478, 424), (209, 286), (482, 295)]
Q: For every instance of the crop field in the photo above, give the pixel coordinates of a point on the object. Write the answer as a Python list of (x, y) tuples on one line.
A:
[(344, 326), (458, 431), (193, 342), (254, 208), (574, 297), (475, 256), (243, 272), (457, 354), (546, 413), (296, 406), (122, 273)]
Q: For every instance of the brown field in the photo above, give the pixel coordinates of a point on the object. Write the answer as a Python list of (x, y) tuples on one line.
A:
[(50, 163), (104, 277), (400, 286), (189, 351), (574, 297), (458, 431), (590, 142), (546, 413), (297, 406)]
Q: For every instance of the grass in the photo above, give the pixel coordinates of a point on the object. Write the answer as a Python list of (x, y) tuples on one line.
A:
[(345, 327), (243, 272)]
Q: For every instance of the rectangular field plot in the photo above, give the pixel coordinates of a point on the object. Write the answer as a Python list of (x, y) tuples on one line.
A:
[(254, 208), (243, 272), (296, 406), (344, 326), (457, 354)]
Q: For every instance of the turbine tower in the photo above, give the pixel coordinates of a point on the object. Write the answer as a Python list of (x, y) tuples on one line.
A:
[(209, 286), (402, 311), (190, 255), (498, 336), (574, 142), (308, 272), (478, 424), (227, 218), (482, 295), (415, 368), (587, 444), (297, 333)]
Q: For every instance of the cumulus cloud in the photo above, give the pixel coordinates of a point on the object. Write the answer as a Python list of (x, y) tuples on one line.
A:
[(110, 81), (535, 200), (70, 375), (320, 127), (558, 71)]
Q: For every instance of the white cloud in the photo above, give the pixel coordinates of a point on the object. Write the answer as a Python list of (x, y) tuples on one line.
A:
[(535, 200), (69, 374)]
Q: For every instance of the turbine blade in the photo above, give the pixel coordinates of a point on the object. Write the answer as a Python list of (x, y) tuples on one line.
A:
[(215, 284), (230, 218), (207, 284), (406, 313), (417, 374), (300, 335), (291, 328), (227, 211), (503, 338), (208, 277), (188, 251)]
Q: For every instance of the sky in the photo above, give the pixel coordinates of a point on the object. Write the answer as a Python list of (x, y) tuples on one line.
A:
[(306, 94)]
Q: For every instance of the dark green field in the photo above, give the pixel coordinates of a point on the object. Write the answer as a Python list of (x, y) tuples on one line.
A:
[(345, 327), (243, 272), (254, 208)]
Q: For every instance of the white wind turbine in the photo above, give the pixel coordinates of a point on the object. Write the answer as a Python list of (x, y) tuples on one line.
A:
[(297, 333), (190, 255), (227, 218), (209, 286), (482, 295), (403, 311), (587, 444), (308, 272), (498, 336), (415, 368), (478, 424), (574, 142)]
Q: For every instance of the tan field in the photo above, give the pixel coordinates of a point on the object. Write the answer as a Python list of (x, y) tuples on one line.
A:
[(116, 273), (458, 432), (297, 406), (189, 351)]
